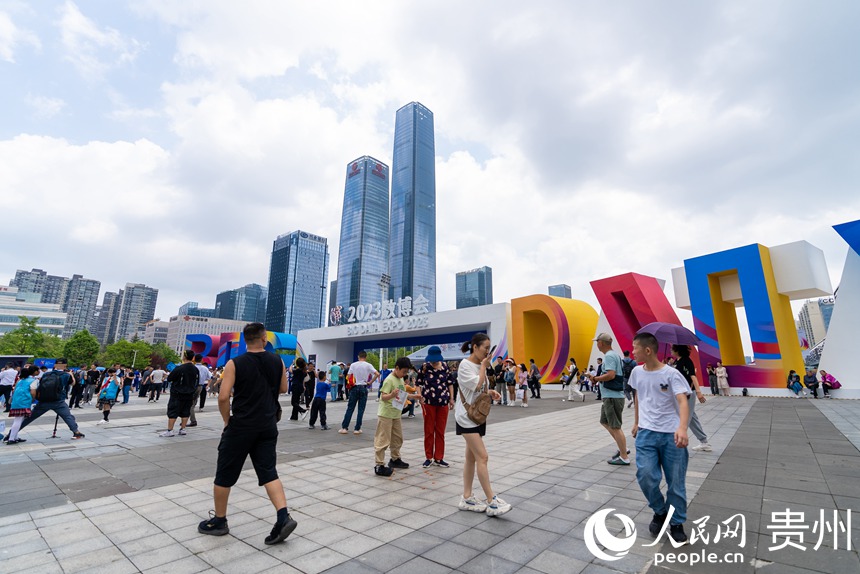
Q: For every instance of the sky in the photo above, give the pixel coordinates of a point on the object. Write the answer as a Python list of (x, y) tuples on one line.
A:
[(169, 143)]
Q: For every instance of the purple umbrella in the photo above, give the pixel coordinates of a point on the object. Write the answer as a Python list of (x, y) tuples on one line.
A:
[(670, 333)]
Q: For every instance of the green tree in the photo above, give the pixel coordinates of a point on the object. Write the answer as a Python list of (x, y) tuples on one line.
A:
[(127, 353), (82, 348), (28, 339), (161, 355), (373, 359)]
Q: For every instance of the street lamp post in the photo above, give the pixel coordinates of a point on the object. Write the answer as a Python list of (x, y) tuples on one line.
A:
[(134, 359), (384, 283)]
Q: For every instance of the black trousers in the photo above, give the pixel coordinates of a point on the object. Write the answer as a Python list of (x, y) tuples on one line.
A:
[(76, 395), (317, 408), (203, 392), (296, 401), (6, 391)]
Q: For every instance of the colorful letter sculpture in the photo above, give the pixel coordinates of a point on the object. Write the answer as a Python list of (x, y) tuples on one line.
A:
[(840, 347), (763, 281), (218, 349), (550, 330)]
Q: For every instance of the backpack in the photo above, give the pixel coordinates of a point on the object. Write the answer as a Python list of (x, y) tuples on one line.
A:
[(627, 367), (50, 387)]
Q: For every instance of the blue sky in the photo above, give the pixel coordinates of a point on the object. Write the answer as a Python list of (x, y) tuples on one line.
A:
[(175, 140)]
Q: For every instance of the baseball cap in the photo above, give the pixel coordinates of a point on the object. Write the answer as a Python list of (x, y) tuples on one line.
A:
[(605, 337)]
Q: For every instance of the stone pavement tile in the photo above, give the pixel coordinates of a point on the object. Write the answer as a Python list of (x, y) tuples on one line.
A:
[(552, 562), (318, 561), (417, 542), (780, 568), (714, 485), (571, 547), (188, 565), (382, 559), (488, 564), (797, 483), (598, 569), (352, 567), (292, 548), (256, 562), (160, 556), (326, 535), (445, 529), (630, 564), (420, 565), (357, 545), (80, 547), (738, 501), (24, 525), (553, 524), (416, 520), (31, 562), (500, 525), (479, 539), (524, 545), (451, 554), (119, 566), (90, 560)]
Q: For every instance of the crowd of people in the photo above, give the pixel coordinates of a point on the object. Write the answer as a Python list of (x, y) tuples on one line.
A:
[(662, 393)]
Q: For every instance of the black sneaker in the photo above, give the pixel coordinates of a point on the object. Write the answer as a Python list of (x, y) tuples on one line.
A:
[(281, 531), (656, 524), (442, 463), (618, 453), (382, 470), (676, 531), (214, 526), (427, 463), (397, 463)]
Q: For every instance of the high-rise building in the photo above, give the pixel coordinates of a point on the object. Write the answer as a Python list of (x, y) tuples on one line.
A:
[(298, 279), (363, 254), (107, 317), (136, 307), (814, 319), (80, 303), (332, 301), (412, 251), (246, 303), (56, 290), (193, 309), (475, 287), (29, 281), (560, 290), (49, 317)]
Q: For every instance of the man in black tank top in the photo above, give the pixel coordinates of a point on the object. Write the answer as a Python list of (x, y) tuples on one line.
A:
[(255, 380)]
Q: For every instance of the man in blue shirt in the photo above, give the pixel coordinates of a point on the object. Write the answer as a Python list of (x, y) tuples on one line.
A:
[(612, 391)]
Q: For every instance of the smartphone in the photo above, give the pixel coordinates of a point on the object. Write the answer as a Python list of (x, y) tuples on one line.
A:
[(493, 350)]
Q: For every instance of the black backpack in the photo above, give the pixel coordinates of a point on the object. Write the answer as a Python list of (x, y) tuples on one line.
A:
[(627, 368), (50, 387)]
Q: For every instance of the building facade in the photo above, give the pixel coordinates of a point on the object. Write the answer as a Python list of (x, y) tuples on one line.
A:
[(136, 307), (247, 303), (561, 290), (412, 248), (195, 310), (80, 305), (51, 319), (814, 319), (106, 318), (298, 281), (364, 240), (154, 332), (475, 287)]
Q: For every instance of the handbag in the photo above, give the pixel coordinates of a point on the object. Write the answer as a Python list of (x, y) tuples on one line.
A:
[(479, 409), (835, 385)]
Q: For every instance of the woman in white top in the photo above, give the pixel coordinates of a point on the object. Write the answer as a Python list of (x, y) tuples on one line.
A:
[(722, 379), (472, 378)]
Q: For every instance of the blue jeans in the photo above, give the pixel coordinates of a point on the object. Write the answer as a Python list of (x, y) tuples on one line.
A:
[(358, 394), (333, 391), (656, 455), (60, 407), (125, 391)]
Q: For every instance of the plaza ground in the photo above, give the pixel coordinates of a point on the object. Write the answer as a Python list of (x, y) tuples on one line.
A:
[(125, 500)]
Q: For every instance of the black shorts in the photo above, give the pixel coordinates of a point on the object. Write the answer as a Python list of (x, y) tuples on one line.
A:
[(237, 444), (179, 406), (480, 429)]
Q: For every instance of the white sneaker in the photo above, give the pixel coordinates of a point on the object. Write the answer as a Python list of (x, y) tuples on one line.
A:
[(102, 422), (703, 446), (182, 432), (472, 504), (525, 406), (497, 507), (167, 433)]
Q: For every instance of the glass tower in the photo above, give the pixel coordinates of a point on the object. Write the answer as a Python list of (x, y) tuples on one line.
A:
[(246, 303), (560, 290), (363, 253), (412, 253), (475, 287), (298, 279)]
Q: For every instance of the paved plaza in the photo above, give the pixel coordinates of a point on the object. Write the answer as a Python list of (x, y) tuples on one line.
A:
[(125, 500)]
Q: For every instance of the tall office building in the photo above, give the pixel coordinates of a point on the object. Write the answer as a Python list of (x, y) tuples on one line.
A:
[(193, 309), (80, 304), (136, 307), (332, 301), (29, 281), (246, 303), (363, 254), (298, 279), (475, 287), (814, 319), (412, 251), (107, 317), (561, 290)]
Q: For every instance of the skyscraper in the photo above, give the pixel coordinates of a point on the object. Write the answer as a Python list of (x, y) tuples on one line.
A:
[(814, 319), (412, 252), (246, 303), (136, 307), (332, 300), (560, 290), (107, 317), (363, 254), (80, 304), (193, 309), (475, 287), (298, 279)]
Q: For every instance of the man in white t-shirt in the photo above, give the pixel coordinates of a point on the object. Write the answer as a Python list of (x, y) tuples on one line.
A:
[(364, 374), (662, 414), (8, 376), (156, 380)]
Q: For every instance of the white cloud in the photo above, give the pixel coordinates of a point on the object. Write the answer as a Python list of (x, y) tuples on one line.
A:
[(91, 49), (45, 107), (11, 36)]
